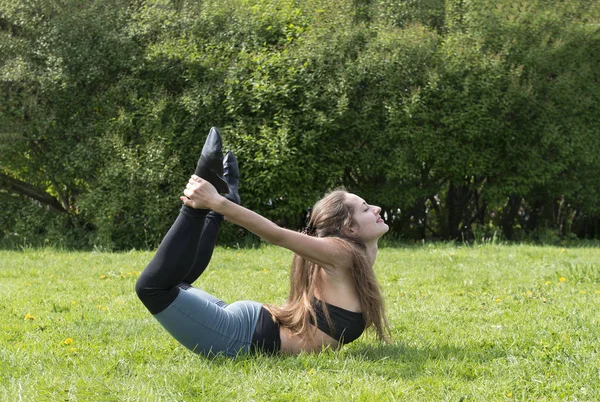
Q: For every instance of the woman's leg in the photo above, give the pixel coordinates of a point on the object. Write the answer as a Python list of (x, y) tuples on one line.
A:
[(187, 248), (198, 320), (206, 246), (205, 327), (213, 220), (158, 285)]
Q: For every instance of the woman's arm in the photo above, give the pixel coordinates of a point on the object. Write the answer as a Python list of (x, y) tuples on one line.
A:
[(325, 252)]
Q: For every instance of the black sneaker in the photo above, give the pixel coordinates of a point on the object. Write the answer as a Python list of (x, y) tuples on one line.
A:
[(210, 164)]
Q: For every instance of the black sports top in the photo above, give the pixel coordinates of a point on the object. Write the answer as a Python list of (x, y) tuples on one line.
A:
[(347, 325), (266, 334)]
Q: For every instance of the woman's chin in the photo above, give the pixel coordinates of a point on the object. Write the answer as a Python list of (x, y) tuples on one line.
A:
[(384, 228)]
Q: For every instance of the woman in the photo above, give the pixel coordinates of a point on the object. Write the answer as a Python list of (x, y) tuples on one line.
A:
[(334, 295)]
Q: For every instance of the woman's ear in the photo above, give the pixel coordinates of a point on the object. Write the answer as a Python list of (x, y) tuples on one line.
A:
[(351, 230)]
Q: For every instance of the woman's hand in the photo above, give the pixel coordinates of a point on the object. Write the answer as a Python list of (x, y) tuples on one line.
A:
[(199, 194)]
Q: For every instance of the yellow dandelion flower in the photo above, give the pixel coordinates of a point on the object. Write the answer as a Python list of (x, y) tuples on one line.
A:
[(529, 293), (598, 292), (311, 371), (104, 308), (582, 292), (548, 283), (72, 350), (73, 302), (29, 317), (498, 300), (563, 279), (102, 276), (562, 250), (68, 341), (265, 270), (29, 284), (509, 394)]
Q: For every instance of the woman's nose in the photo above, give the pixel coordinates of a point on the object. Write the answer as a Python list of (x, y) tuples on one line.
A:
[(376, 210)]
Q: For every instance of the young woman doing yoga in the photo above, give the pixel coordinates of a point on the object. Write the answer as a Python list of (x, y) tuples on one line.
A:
[(334, 294)]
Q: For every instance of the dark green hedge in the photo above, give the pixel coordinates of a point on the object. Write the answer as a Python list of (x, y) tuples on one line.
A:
[(474, 118)]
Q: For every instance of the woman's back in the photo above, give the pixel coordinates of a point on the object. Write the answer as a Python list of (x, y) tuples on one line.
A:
[(336, 289)]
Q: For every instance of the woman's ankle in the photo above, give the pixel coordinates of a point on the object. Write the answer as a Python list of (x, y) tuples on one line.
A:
[(193, 212)]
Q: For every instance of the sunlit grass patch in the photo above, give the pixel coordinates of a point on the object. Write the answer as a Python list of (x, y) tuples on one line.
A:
[(489, 322)]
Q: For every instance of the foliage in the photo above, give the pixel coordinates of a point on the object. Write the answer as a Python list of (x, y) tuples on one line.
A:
[(470, 117)]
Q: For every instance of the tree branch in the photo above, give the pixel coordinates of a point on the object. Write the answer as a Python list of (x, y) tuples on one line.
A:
[(20, 187)]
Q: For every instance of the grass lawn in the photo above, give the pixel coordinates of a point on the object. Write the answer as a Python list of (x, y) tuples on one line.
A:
[(481, 323)]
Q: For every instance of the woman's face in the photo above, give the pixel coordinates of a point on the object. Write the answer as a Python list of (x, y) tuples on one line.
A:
[(369, 224)]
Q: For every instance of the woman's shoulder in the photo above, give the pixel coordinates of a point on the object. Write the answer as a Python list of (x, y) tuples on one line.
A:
[(351, 251)]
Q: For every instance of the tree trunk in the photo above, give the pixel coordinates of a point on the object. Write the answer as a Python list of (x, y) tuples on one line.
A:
[(454, 212), (20, 187), (509, 214), (421, 217)]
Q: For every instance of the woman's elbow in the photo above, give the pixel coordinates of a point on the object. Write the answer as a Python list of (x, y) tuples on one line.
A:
[(274, 237), (274, 240)]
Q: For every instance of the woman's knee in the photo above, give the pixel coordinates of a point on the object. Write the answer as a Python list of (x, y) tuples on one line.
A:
[(145, 291), (140, 288), (155, 299)]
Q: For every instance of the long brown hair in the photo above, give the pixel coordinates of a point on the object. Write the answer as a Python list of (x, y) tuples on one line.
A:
[(331, 216)]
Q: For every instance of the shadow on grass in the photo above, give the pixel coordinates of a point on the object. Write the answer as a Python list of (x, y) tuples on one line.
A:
[(411, 362), (389, 362)]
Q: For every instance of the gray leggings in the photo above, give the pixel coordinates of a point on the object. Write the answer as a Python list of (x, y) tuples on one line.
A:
[(207, 325), (201, 322)]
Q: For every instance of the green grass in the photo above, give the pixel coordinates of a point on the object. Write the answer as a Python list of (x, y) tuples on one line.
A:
[(481, 323)]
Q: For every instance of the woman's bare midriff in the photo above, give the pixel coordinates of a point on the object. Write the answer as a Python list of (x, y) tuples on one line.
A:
[(294, 344)]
